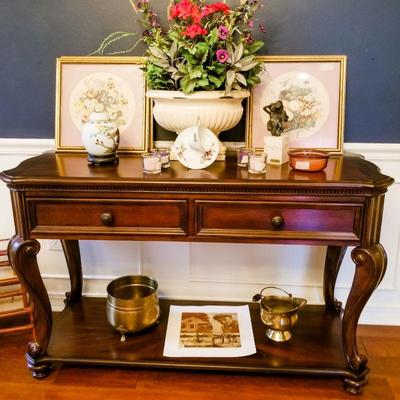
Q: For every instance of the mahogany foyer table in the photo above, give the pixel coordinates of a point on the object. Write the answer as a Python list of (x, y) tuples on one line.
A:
[(61, 196)]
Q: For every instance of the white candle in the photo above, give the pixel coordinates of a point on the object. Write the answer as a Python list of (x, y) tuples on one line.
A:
[(152, 163), (257, 163)]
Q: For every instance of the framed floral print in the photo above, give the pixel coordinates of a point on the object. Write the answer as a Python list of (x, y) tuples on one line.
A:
[(312, 90), (114, 85)]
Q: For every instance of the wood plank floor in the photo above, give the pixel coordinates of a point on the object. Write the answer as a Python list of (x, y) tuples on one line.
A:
[(380, 343)]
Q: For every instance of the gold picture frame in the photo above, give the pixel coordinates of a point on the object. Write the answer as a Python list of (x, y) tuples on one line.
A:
[(317, 113), (101, 83)]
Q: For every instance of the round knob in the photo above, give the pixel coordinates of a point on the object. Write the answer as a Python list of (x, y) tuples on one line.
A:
[(106, 218), (277, 221)]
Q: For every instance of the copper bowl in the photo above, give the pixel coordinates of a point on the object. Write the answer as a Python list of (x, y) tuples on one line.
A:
[(308, 159)]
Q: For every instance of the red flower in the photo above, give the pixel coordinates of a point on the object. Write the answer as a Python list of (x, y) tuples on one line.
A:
[(185, 9), (194, 30), (213, 8)]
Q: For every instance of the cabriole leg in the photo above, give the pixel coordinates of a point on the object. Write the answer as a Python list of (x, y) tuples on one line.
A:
[(370, 267), (23, 260), (333, 261), (73, 258)]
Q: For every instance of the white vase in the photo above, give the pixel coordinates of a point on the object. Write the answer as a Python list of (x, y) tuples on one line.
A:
[(100, 136), (277, 148), (176, 111)]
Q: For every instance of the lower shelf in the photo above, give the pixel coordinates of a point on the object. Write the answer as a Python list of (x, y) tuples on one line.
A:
[(82, 335)]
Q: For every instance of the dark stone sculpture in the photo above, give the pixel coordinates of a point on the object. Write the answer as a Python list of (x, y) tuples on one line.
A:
[(278, 117)]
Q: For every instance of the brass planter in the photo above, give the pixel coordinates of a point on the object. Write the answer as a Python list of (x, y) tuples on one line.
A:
[(279, 313), (132, 303)]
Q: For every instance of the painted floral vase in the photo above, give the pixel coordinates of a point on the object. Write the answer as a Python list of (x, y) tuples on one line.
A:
[(100, 137)]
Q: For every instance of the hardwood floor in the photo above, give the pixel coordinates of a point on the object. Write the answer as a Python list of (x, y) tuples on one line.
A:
[(380, 343)]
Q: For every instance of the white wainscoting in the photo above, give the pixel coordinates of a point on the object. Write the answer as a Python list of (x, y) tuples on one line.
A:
[(215, 271)]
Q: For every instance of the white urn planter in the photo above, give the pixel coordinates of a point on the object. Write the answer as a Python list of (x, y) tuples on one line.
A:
[(176, 111)]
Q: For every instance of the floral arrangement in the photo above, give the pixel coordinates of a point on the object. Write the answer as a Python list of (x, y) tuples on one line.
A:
[(208, 46)]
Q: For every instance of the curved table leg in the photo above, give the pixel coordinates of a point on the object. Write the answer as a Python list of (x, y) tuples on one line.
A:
[(73, 258), (23, 260), (333, 261), (370, 268)]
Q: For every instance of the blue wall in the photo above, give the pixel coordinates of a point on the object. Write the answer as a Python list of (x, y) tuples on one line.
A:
[(34, 33)]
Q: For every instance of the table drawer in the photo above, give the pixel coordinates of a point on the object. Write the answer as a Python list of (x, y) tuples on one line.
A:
[(278, 220), (96, 216)]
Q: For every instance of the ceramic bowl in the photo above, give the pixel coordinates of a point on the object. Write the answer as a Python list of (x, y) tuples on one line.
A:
[(308, 159)]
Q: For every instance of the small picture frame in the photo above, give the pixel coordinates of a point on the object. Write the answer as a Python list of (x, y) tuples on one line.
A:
[(115, 85), (312, 90)]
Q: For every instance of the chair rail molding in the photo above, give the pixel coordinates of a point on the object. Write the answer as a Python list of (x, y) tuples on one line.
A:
[(194, 263)]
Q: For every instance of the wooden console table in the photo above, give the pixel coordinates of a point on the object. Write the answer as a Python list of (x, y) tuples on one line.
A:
[(61, 196)]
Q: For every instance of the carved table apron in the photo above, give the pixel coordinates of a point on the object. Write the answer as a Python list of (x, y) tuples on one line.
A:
[(61, 196)]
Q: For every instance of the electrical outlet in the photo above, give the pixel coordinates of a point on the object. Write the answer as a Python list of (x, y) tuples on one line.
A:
[(54, 245)]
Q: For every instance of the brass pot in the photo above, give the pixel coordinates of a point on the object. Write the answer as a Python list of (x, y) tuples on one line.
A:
[(132, 303), (279, 313)]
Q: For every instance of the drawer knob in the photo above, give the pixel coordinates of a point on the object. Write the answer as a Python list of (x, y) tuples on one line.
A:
[(277, 221), (106, 218)]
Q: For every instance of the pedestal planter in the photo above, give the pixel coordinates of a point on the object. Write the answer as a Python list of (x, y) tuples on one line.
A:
[(175, 111)]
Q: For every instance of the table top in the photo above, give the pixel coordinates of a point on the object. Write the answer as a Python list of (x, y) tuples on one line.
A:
[(348, 170)]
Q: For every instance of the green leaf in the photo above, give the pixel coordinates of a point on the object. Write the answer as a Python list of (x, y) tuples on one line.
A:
[(189, 57), (192, 50), (229, 48), (247, 59), (173, 50), (219, 68), (159, 62), (197, 72), (216, 80), (238, 53), (156, 52), (182, 68), (212, 37), (187, 85), (202, 82), (255, 46), (230, 77), (202, 47), (240, 78), (247, 67)]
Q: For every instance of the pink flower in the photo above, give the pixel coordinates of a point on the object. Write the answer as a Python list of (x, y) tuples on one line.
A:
[(223, 32), (194, 30), (222, 55)]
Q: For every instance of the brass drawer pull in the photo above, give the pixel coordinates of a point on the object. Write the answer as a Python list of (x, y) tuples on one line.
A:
[(107, 218), (277, 221)]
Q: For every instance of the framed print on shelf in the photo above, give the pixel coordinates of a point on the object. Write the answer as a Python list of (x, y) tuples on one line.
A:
[(114, 85), (312, 89)]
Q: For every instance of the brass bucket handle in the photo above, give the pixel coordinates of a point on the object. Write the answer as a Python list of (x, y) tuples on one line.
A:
[(259, 296)]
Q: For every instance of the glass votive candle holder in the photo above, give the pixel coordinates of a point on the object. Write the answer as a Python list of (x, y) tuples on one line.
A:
[(164, 154), (151, 163), (243, 156), (257, 162)]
